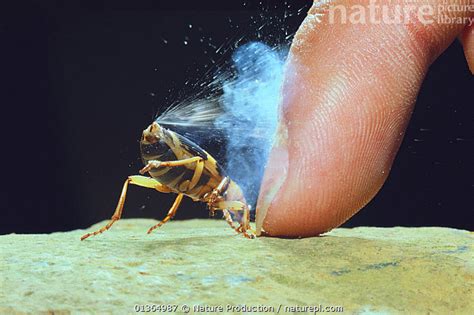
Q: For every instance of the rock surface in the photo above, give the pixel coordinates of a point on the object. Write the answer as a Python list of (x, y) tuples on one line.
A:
[(200, 262)]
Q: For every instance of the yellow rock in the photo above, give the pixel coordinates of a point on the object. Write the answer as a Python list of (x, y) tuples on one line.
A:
[(200, 265)]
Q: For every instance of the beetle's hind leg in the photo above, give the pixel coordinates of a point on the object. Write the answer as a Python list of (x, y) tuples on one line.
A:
[(134, 180), (227, 206), (216, 201)]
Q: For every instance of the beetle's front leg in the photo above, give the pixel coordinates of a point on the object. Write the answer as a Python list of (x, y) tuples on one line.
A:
[(150, 165), (156, 164)]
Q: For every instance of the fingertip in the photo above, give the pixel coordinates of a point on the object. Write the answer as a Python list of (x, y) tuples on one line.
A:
[(467, 40), (346, 105)]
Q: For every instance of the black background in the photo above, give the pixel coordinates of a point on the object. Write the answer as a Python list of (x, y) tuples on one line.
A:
[(83, 79)]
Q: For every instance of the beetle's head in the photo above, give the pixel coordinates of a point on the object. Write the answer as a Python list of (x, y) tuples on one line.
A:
[(152, 134), (152, 143)]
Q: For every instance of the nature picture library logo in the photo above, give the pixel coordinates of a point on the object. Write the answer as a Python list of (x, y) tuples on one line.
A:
[(385, 12)]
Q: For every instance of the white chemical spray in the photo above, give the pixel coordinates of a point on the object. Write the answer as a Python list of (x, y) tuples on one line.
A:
[(250, 104), (241, 107), (234, 105)]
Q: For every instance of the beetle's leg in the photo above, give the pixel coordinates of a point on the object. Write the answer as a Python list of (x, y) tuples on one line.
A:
[(148, 182), (135, 180), (236, 206), (170, 214), (216, 193), (215, 202), (244, 227), (188, 185), (117, 214), (156, 164), (228, 218), (197, 174)]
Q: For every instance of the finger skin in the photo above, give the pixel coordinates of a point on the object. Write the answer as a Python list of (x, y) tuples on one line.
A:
[(467, 39), (348, 94)]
